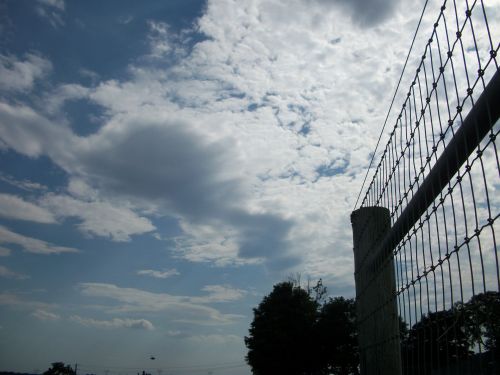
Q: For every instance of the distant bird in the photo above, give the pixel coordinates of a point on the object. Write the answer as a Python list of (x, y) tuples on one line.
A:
[(152, 358)]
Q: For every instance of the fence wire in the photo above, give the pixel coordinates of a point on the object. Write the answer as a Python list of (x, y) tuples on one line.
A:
[(446, 265)]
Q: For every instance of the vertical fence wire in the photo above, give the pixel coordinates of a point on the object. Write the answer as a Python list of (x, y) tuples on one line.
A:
[(446, 265)]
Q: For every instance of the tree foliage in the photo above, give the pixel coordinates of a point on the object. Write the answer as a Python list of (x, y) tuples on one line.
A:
[(296, 332), (59, 368), (335, 333), (482, 320), (450, 336), (435, 340)]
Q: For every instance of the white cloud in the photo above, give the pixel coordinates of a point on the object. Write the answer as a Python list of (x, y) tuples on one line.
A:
[(58, 4), (17, 75), (164, 42), (79, 189), (5, 272), (143, 324), (220, 293), (32, 245), (183, 309), (25, 184), (4, 252), (284, 202), (14, 301), (159, 274), (52, 11), (99, 218), (13, 207), (363, 12), (210, 339), (244, 204), (213, 244), (45, 315), (159, 38), (28, 133), (125, 20), (64, 93), (93, 76), (256, 140)]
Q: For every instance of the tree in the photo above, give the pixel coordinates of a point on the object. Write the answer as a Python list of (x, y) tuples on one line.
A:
[(337, 337), (453, 336), (295, 333), (436, 340), (280, 335), (482, 320), (58, 368)]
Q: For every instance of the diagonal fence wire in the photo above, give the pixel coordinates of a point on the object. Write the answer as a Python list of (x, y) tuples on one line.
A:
[(443, 241)]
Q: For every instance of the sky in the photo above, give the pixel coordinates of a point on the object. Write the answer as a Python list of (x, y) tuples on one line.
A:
[(164, 163)]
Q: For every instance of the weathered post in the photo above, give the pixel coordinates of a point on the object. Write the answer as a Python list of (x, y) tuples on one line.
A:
[(378, 322)]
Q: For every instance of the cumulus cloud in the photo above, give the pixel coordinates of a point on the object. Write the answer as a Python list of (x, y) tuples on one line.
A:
[(159, 38), (159, 274), (184, 309), (185, 171), (181, 167), (187, 174), (256, 140), (64, 93), (13, 207), (210, 244), (27, 132), (30, 244), (364, 12), (142, 324), (99, 218), (5, 272), (45, 315), (20, 75)]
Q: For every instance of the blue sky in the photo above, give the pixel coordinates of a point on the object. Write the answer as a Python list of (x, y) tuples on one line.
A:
[(164, 163)]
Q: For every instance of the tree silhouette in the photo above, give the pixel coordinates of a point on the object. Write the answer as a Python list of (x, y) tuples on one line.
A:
[(58, 368), (294, 333), (482, 321), (280, 335), (436, 340), (448, 338), (337, 337)]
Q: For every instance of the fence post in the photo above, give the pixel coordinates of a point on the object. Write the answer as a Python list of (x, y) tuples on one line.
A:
[(378, 321)]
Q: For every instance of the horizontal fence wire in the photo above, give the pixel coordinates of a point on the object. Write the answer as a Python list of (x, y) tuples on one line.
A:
[(446, 265)]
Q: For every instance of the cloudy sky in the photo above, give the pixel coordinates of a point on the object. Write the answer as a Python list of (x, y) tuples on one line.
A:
[(164, 163)]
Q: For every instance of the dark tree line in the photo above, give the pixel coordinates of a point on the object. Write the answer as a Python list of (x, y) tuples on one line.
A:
[(59, 368), (452, 338), (298, 331)]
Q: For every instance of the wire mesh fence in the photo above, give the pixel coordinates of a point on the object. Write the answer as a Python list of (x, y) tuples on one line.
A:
[(438, 176)]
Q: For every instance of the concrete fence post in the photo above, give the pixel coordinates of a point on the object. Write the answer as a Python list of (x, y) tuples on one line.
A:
[(378, 321)]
